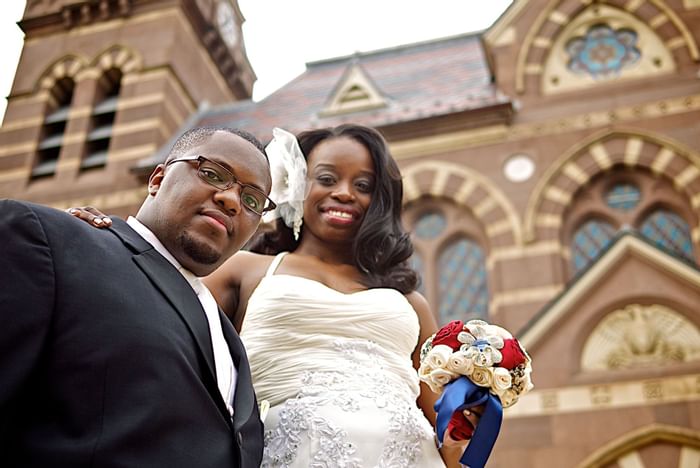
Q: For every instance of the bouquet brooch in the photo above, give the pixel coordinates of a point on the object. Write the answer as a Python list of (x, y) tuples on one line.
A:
[(474, 364)]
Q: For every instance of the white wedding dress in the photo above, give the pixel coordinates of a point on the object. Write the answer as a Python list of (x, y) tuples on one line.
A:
[(336, 369)]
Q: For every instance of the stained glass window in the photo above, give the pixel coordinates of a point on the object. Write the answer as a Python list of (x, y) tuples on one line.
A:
[(603, 51), (463, 288), (589, 240), (669, 231), (417, 264), (430, 225), (624, 197)]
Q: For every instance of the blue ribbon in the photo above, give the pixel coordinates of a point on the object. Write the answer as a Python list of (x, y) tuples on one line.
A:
[(459, 395)]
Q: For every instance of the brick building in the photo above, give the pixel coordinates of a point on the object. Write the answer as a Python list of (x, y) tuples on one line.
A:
[(551, 168)]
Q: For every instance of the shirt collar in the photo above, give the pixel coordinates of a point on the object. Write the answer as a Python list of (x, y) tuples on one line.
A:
[(151, 238)]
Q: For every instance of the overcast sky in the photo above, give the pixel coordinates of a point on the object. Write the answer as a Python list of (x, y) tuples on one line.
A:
[(282, 35)]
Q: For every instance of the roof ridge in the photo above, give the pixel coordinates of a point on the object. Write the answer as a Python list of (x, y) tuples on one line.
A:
[(358, 54)]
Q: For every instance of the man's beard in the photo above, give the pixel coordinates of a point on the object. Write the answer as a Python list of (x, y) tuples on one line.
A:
[(198, 251)]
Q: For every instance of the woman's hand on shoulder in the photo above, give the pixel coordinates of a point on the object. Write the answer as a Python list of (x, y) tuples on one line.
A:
[(91, 215)]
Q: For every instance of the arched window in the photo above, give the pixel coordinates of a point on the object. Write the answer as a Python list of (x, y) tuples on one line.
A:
[(53, 129), (589, 240), (670, 232), (623, 199), (463, 289), (103, 114), (623, 196), (430, 225)]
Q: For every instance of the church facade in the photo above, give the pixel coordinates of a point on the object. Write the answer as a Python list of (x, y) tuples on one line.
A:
[(551, 169)]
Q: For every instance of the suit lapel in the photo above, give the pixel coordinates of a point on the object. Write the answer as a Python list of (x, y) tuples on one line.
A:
[(179, 293), (244, 397)]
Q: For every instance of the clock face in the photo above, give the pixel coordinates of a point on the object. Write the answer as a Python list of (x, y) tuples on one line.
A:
[(226, 20)]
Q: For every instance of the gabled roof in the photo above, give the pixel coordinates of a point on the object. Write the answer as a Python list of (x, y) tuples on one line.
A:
[(419, 80), (627, 243), (415, 81)]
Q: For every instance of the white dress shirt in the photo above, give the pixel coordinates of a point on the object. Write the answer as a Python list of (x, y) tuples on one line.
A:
[(226, 373)]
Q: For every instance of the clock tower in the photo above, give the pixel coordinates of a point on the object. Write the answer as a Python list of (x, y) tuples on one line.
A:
[(102, 84)]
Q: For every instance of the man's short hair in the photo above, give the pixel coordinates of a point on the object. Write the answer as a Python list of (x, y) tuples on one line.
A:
[(196, 136)]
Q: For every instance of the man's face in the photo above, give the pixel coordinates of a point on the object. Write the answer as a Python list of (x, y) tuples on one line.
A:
[(200, 225)]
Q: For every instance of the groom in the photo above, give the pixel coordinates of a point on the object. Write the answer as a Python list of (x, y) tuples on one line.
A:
[(112, 352)]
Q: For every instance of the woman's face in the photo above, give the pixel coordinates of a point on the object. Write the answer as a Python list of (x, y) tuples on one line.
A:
[(341, 178)]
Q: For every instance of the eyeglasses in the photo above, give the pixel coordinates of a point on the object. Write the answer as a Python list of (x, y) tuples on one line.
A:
[(218, 176)]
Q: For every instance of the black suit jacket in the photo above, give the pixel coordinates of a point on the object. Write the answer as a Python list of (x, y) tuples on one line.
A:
[(105, 354)]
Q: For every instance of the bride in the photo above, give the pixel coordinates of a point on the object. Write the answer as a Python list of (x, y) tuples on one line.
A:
[(332, 322), (327, 308)]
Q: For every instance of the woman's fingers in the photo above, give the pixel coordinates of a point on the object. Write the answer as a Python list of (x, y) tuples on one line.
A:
[(91, 215), (473, 414)]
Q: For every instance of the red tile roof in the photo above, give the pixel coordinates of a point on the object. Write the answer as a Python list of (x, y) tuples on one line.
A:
[(418, 81)]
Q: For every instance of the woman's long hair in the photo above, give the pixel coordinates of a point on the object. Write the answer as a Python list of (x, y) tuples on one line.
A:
[(381, 247)]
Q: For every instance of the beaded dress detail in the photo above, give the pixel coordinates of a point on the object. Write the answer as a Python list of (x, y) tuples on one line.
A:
[(336, 369)]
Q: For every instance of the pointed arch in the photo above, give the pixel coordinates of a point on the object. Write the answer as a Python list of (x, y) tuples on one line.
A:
[(598, 153), (67, 66), (556, 14), (687, 441), (466, 188)]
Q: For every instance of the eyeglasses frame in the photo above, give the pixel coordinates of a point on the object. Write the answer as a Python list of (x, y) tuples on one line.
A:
[(199, 159)]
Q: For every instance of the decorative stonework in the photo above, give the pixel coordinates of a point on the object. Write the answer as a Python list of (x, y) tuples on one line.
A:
[(590, 157), (604, 44), (549, 27), (641, 336), (630, 449), (590, 398), (468, 188), (355, 92)]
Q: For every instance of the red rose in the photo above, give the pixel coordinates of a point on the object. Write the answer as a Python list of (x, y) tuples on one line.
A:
[(513, 354), (459, 427), (447, 335)]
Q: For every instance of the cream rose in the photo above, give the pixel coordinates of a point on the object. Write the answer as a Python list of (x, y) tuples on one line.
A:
[(460, 363), (438, 356), (501, 379), (508, 398), (482, 376), (442, 376), (424, 371)]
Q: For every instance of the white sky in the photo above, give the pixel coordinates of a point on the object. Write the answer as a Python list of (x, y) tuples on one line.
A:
[(282, 35)]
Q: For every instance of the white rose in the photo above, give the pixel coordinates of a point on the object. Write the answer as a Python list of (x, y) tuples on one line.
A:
[(502, 379), (460, 363), (424, 371), (438, 356), (437, 389), (508, 398), (482, 376), (441, 376)]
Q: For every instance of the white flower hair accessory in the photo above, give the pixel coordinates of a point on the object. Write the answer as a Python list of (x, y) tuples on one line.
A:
[(288, 170)]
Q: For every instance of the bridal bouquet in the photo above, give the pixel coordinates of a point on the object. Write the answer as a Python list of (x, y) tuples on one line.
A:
[(474, 364)]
